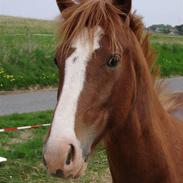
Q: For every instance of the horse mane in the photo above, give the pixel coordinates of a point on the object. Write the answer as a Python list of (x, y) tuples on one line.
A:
[(171, 102), (103, 13), (137, 26), (91, 14)]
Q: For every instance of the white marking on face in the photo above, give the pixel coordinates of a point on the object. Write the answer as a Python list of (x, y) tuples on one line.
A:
[(75, 71)]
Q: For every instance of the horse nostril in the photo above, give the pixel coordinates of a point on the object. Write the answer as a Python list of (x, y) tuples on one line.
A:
[(70, 155), (59, 173)]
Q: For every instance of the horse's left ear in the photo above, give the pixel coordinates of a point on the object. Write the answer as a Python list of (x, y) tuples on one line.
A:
[(124, 5), (63, 4)]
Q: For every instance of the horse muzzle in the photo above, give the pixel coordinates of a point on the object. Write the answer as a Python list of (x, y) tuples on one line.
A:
[(64, 158)]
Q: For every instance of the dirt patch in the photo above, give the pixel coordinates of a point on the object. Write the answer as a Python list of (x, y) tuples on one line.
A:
[(106, 177), (22, 137)]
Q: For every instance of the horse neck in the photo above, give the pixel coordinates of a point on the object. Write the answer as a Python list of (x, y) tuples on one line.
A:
[(139, 149)]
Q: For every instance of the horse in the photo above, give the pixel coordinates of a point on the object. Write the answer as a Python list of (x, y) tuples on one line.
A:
[(107, 92)]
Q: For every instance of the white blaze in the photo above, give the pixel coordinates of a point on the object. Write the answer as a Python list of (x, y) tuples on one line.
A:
[(75, 71)]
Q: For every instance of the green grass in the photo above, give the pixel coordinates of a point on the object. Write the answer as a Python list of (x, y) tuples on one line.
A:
[(23, 150), (170, 53), (28, 47), (27, 53), (160, 38), (170, 59)]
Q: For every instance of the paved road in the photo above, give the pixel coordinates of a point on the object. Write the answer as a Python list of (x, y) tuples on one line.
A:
[(175, 84), (27, 102), (45, 100)]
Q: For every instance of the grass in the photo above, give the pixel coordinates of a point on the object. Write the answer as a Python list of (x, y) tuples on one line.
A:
[(170, 53), (28, 47), (159, 38), (170, 59), (27, 52), (23, 149)]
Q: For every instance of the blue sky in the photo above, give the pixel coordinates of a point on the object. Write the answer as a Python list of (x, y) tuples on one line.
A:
[(153, 11)]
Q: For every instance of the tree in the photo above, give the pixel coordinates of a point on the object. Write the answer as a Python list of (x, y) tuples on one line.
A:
[(179, 29)]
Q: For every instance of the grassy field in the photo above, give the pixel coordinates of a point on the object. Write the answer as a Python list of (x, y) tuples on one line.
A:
[(27, 53), (159, 38), (23, 150), (170, 54), (28, 46)]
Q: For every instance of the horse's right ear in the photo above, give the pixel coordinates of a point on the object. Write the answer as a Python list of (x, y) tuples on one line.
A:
[(63, 4), (124, 5)]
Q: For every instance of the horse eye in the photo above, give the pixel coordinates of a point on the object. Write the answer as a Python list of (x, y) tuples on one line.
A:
[(113, 61)]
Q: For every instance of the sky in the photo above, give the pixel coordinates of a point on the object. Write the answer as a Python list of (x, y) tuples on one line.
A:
[(153, 11)]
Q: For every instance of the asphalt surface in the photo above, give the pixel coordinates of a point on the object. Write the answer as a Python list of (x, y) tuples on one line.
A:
[(175, 84), (46, 100), (27, 102)]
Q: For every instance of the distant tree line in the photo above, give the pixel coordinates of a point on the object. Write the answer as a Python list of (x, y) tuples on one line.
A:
[(167, 29)]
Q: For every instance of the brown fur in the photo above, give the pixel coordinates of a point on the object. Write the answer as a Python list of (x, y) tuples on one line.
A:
[(137, 27), (147, 144), (102, 12), (106, 15)]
